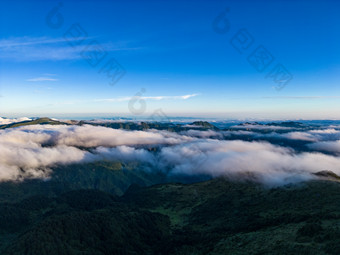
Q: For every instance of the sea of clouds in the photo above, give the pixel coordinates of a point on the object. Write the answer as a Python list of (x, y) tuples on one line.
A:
[(33, 151), (5, 121)]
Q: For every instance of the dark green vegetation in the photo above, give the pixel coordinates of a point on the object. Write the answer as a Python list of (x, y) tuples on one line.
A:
[(204, 124), (111, 177), (40, 121), (211, 217)]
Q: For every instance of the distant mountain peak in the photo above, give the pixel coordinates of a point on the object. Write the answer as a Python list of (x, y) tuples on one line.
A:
[(327, 174), (37, 121), (204, 124)]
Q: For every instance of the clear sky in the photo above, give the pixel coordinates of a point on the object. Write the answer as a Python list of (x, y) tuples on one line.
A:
[(189, 58)]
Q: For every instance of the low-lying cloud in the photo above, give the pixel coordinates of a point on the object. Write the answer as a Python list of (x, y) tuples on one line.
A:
[(5, 121), (268, 163), (329, 146), (33, 151)]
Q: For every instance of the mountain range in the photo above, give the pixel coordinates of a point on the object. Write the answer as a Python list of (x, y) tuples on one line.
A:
[(116, 206)]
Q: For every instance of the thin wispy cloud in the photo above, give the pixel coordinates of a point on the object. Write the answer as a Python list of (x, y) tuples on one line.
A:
[(55, 49), (125, 99), (42, 79), (25, 40), (303, 97), (49, 74), (157, 98)]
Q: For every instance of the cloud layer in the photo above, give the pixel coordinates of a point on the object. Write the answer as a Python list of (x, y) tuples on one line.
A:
[(32, 151), (29, 152), (5, 121)]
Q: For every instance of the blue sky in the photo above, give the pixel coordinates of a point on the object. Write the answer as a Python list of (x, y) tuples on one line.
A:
[(188, 58)]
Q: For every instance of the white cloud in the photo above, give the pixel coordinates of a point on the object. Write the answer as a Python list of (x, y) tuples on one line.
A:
[(42, 79), (303, 97), (44, 48), (263, 162), (32, 151), (314, 135), (304, 136), (122, 99), (5, 121), (25, 154), (330, 146)]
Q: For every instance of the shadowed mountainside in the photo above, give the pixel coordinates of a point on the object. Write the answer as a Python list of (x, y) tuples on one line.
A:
[(212, 217)]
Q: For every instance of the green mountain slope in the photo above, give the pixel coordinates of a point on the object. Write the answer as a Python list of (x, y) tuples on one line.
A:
[(212, 217), (39, 121)]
